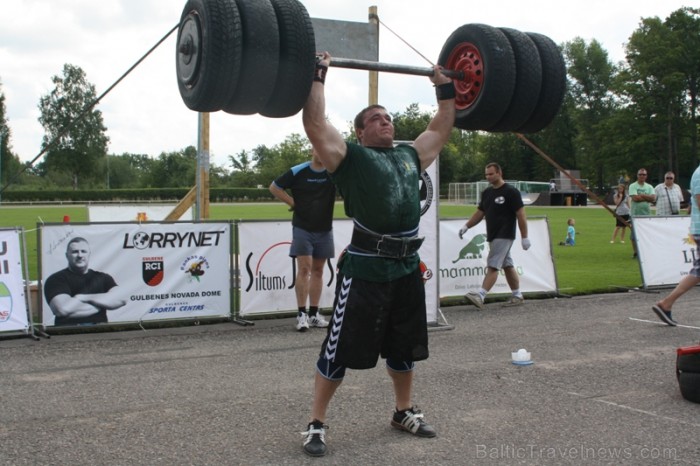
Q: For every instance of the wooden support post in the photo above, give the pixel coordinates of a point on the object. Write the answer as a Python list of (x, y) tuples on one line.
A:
[(374, 75), (182, 206), (203, 168)]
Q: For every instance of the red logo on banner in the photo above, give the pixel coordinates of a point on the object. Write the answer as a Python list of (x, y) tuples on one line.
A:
[(152, 270)]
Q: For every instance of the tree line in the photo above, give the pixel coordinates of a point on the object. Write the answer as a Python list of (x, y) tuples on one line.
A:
[(616, 118)]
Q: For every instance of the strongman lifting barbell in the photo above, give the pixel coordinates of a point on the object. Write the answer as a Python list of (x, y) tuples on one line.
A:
[(505, 80)]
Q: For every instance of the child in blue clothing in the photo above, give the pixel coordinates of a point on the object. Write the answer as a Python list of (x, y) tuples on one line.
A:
[(570, 233)]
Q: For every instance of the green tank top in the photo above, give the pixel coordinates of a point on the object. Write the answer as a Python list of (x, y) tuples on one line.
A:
[(380, 189)]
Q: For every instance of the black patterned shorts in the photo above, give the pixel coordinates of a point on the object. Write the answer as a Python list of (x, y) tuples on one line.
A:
[(372, 319)]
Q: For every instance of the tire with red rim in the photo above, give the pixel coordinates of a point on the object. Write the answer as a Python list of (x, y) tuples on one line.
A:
[(485, 56)]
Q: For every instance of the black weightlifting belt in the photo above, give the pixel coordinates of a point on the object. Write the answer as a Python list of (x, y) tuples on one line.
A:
[(394, 247)]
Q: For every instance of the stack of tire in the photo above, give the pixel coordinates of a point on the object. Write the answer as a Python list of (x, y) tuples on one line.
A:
[(245, 56), (688, 372), (258, 56), (524, 79)]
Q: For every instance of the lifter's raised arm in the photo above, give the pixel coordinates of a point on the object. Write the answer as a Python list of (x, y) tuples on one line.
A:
[(429, 143), (324, 137)]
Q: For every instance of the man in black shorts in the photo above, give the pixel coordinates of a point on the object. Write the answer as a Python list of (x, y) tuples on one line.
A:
[(79, 295), (502, 206), (380, 298), (312, 201)]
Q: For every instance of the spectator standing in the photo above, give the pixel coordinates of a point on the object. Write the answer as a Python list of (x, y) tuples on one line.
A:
[(622, 209), (312, 201), (642, 195), (668, 196)]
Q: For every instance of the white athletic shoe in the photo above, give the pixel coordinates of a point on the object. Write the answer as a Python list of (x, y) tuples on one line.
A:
[(318, 321), (475, 299), (514, 301), (303, 323)]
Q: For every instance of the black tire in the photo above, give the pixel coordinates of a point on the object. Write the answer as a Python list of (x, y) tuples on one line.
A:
[(553, 84), (297, 60), (260, 61), (207, 74), (688, 362), (485, 55), (528, 81), (689, 383)]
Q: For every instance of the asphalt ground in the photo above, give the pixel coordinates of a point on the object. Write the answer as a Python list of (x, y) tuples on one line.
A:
[(602, 390)]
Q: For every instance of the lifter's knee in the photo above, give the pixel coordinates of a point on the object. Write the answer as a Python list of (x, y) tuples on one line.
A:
[(330, 370), (400, 366)]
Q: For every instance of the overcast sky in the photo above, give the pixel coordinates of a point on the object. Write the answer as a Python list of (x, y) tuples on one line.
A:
[(145, 114)]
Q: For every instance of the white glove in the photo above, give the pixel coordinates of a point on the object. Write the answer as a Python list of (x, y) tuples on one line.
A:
[(463, 230), (526, 244)]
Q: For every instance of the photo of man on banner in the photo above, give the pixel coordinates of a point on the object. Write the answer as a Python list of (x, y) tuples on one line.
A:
[(79, 295), (123, 272)]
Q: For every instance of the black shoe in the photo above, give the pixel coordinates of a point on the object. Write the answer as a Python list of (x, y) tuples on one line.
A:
[(411, 420), (664, 315), (315, 439)]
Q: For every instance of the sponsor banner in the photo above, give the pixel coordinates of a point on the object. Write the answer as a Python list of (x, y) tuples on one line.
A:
[(134, 213), (13, 302), (161, 271), (665, 247), (463, 262), (268, 273)]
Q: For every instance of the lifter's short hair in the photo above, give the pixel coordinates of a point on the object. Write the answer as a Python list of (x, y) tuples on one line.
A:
[(359, 122), (494, 165)]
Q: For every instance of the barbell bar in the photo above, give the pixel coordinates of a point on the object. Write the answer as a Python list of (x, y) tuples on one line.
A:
[(354, 64), (187, 52)]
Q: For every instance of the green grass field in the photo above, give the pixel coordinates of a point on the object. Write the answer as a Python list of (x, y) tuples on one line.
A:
[(592, 266)]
